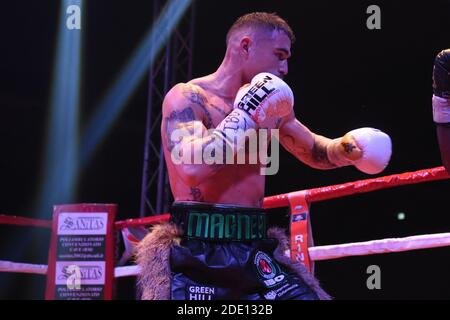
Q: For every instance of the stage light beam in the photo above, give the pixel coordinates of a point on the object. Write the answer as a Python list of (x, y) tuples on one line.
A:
[(115, 100), (61, 149)]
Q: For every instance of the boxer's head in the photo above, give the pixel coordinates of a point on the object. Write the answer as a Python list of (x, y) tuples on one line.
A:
[(262, 41)]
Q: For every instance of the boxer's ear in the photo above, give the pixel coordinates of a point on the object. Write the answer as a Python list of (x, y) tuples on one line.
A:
[(245, 45)]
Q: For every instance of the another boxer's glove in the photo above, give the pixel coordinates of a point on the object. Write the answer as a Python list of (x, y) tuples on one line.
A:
[(260, 104), (441, 87), (367, 149)]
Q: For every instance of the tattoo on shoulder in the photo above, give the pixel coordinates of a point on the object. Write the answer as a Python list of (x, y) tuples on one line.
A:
[(197, 98), (193, 95)]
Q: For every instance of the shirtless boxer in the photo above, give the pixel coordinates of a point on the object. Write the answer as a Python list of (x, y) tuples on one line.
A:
[(441, 104), (216, 246)]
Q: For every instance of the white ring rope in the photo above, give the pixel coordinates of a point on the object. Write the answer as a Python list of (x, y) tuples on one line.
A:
[(126, 271), (8, 266), (379, 246), (316, 253)]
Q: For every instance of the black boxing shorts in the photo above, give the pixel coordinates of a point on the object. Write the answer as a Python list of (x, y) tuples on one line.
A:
[(224, 254)]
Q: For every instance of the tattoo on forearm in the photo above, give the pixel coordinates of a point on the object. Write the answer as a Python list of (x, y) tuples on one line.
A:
[(316, 157), (319, 155)]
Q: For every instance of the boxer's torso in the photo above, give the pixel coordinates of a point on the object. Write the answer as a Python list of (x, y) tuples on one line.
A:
[(237, 184)]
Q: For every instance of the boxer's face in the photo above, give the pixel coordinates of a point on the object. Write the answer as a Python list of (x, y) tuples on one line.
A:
[(269, 53)]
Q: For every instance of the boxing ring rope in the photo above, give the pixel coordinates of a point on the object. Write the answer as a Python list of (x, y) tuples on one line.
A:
[(141, 221), (8, 266), (22, 221), (316, 253), (14, 267), (361, 186), (379, 246)]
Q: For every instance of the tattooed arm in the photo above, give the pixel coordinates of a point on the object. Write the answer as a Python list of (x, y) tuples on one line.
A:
[(314, 149), (184, 130)]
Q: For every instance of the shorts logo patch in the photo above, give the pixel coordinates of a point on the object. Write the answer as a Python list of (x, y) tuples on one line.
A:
[(268, 270), (265, 266), (200, 292)]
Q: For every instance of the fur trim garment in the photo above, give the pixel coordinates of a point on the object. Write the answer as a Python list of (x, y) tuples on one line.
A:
[(153, 254)]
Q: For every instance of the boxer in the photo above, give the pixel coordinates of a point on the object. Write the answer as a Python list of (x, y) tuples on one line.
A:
[(441, 104), (217, 245)]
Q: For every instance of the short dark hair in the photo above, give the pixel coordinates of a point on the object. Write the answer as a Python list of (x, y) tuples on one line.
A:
[(263, 20)]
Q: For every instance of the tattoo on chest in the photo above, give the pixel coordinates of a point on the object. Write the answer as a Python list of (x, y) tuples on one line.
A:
[(171, 121), (196, 194)]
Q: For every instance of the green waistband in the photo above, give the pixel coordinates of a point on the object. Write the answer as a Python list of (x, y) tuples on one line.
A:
[(219, 222)]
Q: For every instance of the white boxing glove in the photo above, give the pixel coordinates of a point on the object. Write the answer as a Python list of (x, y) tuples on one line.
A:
[(260, 104), (267, 99), (375, 150)]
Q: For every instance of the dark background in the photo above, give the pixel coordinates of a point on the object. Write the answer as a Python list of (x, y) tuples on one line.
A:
[(343, 75)]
